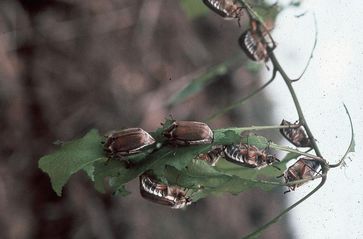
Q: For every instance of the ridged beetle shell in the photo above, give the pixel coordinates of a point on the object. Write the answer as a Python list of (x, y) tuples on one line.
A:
[(212, 156), (172, 196), (248, 156), (228, 9), (304, 168), (253, 47), (295, 135), (256, 41), (127, 142), (189, 133)]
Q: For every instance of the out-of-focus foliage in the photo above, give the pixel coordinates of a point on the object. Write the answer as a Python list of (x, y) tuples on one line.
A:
[(194, 8)]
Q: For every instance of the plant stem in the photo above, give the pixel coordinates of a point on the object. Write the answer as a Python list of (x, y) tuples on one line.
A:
[(275, 219), (300, 113), (253, 128), (290, 150)]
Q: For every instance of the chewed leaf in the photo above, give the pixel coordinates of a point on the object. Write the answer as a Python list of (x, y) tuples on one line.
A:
[(104, 170), (89, 170), (226, 137), (70, 158)]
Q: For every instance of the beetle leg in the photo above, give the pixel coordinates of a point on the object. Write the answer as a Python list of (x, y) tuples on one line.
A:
[(276, 168), (169, 131)]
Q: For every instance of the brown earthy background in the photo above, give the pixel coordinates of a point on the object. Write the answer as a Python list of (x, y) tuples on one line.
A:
[(69, 66)]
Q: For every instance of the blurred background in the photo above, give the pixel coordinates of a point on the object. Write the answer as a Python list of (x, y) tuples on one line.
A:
[(67, 66)]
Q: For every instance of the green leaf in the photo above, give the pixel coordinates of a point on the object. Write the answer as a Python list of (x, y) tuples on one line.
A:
[(89, 170), (70, 158), (121, 175), (290, 156), (107, 168), (157, 161), (265, 178), (197, 174), (229, 136)]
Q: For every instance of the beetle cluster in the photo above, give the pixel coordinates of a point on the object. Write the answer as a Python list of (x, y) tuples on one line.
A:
[(241, 154), (121, 145), (249, 156), (304, 168), (257, 44), (256, 41)]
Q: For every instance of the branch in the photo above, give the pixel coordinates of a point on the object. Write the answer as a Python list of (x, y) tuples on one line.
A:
[(325, 169), (312, 50), (300, 113)]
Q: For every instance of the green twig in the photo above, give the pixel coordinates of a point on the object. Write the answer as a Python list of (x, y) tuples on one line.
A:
[(290, 150), (300, 113), (325, 169), (253, 128), (274, 220)]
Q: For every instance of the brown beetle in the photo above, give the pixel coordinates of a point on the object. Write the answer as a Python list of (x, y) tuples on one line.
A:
[(255, 42), (172, 196), (212, 156), (248, 155), (253, 47), (228, 9), (295, 135), (304, 168), (189, 133), (127, 142)]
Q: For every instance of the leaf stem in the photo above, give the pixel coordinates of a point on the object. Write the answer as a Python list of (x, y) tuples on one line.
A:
[(300, 113), (290, 150), (325, 169), (253, 128)]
